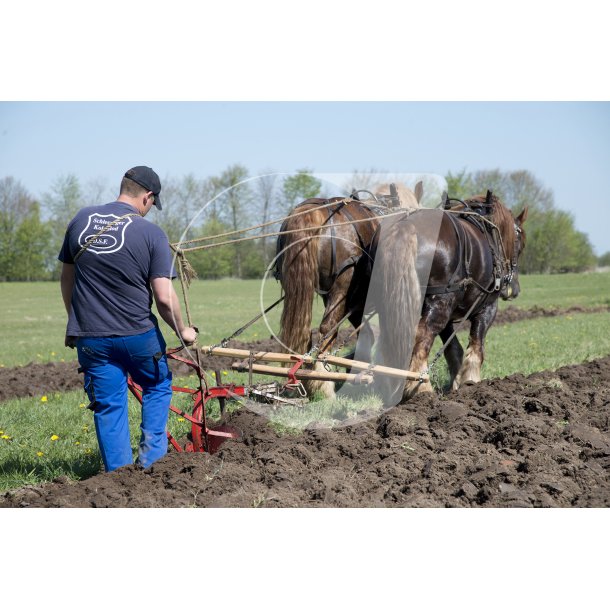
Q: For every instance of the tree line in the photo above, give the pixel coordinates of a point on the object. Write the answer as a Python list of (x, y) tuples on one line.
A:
[(32, 230)]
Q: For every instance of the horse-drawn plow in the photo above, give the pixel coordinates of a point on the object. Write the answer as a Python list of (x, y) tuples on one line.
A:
[(328, 217), (314, 257), (207, 437)]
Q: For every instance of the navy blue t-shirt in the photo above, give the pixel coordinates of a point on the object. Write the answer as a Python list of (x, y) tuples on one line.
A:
[(112, 293)]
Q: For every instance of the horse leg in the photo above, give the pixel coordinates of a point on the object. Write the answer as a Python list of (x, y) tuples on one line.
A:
[(428, 328), (365, 337), (333, 313), (454, 354), (470, 371)]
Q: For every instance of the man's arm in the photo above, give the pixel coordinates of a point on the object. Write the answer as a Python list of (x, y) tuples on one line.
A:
[(169, 308), (67, 284)]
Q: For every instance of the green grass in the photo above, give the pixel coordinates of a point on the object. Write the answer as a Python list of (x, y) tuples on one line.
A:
[(41, 440), (33, 319), (538, 344), (324, 412), (562, 291)]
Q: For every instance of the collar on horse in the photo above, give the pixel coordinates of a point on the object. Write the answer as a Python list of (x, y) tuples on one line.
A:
[(475, 212), (342, 206)]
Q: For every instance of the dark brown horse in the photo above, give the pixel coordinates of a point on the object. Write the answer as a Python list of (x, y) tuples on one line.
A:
[(435, 267), (319, 252)]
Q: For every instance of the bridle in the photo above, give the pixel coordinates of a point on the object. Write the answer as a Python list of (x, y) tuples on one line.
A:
[(512, 271)]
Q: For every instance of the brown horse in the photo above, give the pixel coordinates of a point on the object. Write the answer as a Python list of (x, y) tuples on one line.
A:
[(436, 267), (321, 253)]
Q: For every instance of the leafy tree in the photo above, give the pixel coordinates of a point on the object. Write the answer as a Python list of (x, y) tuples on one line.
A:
[(553, 243), (32, 245), (62, 202), (299, 187), (604, 260), (15, 204), (64, 199), (265, 197), (213, 263), (254, 265), (183, 199), (232, 205), (23, 236)]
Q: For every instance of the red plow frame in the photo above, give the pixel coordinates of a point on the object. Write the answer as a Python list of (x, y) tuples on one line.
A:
[(204, 438)]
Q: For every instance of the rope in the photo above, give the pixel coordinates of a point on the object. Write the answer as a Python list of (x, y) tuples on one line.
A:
[(265, 224), (184, 266), (275, 234)]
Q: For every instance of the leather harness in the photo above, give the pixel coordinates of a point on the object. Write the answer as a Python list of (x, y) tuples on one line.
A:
[(465, 251)]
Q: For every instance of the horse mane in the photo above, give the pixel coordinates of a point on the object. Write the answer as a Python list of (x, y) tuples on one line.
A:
[(502, 217)]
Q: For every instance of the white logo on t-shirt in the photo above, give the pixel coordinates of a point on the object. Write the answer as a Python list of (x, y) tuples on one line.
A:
[(112, 238)]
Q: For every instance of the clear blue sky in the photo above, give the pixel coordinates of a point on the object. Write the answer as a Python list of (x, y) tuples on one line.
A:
[(565, 144)]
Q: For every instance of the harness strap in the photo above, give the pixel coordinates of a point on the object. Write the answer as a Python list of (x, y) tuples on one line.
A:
[(463, 267), (333, 242)]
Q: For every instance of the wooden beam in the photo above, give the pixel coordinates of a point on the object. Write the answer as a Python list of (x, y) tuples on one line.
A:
[(279, 371), (345, 363)]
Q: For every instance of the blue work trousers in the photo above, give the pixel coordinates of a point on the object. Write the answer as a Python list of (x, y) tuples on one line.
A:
[(106, 361)]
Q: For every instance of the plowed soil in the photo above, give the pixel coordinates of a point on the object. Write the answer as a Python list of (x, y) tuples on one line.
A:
[(38, 379), (537, 441)]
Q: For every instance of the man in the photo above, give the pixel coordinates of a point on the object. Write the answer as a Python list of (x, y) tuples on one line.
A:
[(114, 262)]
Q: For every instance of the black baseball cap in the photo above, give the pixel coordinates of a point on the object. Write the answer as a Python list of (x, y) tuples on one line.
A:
[(146, 178)]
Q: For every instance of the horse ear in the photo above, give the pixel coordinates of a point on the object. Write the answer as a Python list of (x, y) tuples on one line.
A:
[(419, 191), (488, 199), (522, 217)]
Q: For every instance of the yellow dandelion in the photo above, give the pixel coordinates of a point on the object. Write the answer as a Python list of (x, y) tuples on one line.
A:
[(6, 437), (55, 437), (225, 373), (181, 419), (1, 431), (1, 366), (82, 405), (44, 399), (39, 355), (87, 450), (39, 453), (52, 353), (61, 360), (85, 428), (77, 443)]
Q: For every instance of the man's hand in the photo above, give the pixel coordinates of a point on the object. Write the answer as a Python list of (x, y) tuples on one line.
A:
[(189, 335), (70, 341)]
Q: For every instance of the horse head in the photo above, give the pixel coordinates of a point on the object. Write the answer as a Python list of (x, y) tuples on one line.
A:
[(511, 287)]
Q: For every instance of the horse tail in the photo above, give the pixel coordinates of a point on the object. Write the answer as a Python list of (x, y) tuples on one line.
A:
[(399, 296), (299, 276)]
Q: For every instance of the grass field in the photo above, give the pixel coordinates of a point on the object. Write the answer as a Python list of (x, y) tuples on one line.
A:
[(33, 319), (45, 437)]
